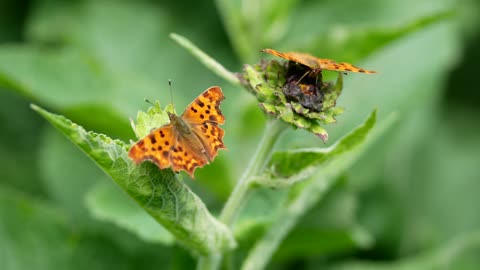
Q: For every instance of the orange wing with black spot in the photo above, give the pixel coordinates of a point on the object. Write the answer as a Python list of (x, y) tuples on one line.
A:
[(212, 137), (187, 155), (206, 107), (318, 63), (204, 116), (155, 147)]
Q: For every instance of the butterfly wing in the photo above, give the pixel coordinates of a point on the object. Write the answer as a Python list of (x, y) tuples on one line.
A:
[(342, 67), (155, 147), (212, 137), (188, 154), (318, 63), (204, 117), (205, 108), (301, 58)]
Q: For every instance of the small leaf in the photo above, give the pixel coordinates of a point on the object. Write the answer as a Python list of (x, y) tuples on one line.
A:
[(268, 108), (291, 166), (154, 118), (167, 200), (319, 131), (333, 92)]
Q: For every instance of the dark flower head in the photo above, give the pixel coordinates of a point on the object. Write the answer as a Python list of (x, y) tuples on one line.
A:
[(294, 93)]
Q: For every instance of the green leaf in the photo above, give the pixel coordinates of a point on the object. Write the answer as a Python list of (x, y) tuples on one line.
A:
[(89, 58), (152, 119), (331, 226), (289, 167), (18, 143), (166, 199), (311, 242), (57, 157), (251, 24), (34, 234), (73, 82), (107, 202), (357, 43), (458, 253), (261, 208), (428, 199), (351, 36), (237, 28), (110, 32)]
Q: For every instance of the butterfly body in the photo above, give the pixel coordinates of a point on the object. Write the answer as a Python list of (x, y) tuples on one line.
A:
[(188, 141), (318, 64)]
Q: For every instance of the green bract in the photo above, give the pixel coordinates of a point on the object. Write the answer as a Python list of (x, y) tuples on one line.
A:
[(267, 81), (155, 117)]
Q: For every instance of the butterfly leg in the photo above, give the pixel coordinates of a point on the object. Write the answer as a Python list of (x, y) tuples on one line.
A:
[(303, 76)]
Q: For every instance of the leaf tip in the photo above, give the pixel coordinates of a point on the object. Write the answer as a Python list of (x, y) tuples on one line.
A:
[(35, 107), (174, 36), (39, 110)]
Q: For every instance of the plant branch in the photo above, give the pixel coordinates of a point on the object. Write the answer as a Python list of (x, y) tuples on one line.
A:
[(205, 59), (314, 190), (272, 132), (263, 250)]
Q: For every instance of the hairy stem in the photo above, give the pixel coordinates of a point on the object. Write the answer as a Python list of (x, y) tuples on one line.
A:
[(232, 207)]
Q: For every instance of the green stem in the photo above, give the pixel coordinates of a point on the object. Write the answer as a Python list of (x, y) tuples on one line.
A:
[(272, 131), (231, 209), (259, 256), (205, 59)]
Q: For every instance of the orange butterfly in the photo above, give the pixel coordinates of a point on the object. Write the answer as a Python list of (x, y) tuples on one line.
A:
[(318, 64), (188, 141)]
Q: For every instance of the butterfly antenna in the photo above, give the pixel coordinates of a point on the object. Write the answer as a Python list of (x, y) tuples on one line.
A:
[(171, 92), (148, 101)]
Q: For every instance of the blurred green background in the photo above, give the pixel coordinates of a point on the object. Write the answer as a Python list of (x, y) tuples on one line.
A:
[(411, 202)]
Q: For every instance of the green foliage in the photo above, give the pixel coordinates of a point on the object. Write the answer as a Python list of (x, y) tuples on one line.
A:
[(162, 196), (298, 164), (108, 203), (463, 248), (305, 195), (376, 196), (38, 234)]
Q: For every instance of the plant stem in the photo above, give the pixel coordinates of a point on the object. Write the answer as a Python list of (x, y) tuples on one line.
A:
[(257, 163), (232, 207), (262, 252), (205, 59)]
